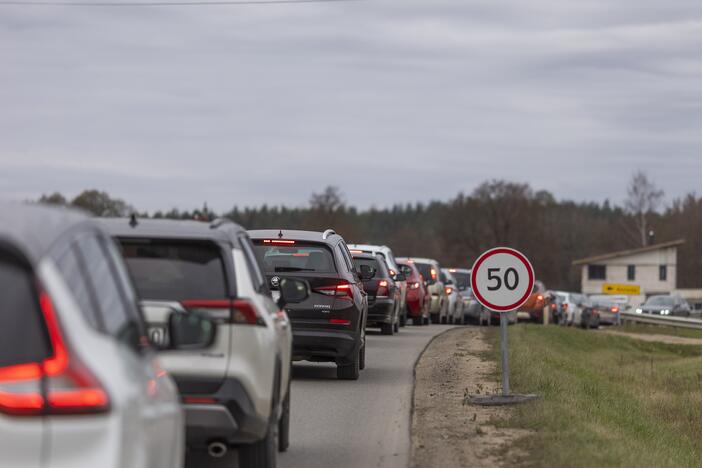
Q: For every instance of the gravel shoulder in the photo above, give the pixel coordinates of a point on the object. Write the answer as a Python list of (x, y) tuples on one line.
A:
[(446, 432)]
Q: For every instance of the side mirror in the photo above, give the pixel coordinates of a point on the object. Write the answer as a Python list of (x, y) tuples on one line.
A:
[(293, 291), (400, 277), (189, 330), (366, 272)]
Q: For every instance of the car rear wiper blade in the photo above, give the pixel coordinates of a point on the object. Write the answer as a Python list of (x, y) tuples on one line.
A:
[(282, 269)]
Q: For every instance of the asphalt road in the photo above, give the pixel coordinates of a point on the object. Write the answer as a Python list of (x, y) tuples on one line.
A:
[(357, 424), (342, 424)]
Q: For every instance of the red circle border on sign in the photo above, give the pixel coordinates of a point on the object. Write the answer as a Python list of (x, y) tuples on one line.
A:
[(490, 253)]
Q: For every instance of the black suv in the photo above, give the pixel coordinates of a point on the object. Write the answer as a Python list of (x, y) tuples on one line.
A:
[(383, 293), (330, 325)]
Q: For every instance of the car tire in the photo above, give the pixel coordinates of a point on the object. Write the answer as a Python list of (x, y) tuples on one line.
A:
[(284, 424), (264, 453), (350, 371), (434, 318), (362, 358), (387, 329), (425, 320)]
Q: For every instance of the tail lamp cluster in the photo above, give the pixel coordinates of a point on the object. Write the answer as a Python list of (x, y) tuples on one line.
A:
[(60, 384), (243, 311)]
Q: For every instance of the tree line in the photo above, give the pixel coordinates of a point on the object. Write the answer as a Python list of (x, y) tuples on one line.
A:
[(551, 233)]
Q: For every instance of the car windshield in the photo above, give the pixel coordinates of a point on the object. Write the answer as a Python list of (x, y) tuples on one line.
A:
[(369, 262), (462, 280), (300, 257), (175, 270), (660, 301)]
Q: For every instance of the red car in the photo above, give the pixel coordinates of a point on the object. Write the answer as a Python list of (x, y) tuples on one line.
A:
[(417, 295)]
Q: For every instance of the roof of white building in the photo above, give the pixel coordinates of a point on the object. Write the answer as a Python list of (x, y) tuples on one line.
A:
[(626, 253)]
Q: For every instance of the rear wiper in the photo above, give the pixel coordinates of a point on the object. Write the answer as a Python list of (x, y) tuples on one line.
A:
[(282, 269)]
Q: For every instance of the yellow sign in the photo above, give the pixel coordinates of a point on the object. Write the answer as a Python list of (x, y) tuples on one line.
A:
[(626, 289)]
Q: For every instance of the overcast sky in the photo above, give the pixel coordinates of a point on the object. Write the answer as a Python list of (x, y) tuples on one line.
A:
[(392, 100)]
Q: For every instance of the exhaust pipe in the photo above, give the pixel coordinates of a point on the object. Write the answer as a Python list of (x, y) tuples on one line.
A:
[(217, 449)]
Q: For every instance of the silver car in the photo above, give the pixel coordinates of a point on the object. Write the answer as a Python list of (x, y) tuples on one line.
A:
[(80, 386)]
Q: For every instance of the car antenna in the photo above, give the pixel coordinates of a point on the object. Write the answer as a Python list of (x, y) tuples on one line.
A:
[(133, 220), (280, 234)]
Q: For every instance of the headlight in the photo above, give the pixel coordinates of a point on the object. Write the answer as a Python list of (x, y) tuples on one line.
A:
[(665, 312), (639, 311)]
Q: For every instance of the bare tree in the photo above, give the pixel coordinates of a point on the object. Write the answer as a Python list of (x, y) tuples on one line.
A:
[(643, 198), (329, 201)]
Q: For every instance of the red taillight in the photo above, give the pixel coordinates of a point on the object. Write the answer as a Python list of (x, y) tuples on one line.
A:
[(539, 297), (196, 400), (433, 274), (614, 310), (356, 251), (382, 289), (242, 311), (279, 241), (449, 290), (553, 306), (70, 388), (341, 290), (413, 285), (339, 321)]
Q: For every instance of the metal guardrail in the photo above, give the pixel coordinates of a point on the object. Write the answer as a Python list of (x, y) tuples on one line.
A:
[(668, 321)]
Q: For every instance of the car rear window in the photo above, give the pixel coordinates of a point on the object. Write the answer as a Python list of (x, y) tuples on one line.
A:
[(302, 257), (424, 270), (660, 301), (175, 270), (371, 263), (22, 333), (462, 280)]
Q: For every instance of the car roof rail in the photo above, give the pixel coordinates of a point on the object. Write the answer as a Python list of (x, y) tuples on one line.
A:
[(217, 223), (327, 233)]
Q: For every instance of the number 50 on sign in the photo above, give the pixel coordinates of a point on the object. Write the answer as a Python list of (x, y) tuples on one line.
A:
[(502, 279)]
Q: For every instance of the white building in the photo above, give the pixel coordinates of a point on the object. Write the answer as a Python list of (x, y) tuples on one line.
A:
[(638, 273)]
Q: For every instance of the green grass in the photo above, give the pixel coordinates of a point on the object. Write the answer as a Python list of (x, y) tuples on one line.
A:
[(659, 330), (607, 401)]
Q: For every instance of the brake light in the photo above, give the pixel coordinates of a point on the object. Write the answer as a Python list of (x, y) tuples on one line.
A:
[(382, 289), (433, 274), (193, 400), (539, 297), (243, 311), (553, 306), (341, 290), (356, 251), (452, 270), (614, 310), (70, 388), (392, 272), (339, 321), (413, 285), (449, 290), (278, 241)]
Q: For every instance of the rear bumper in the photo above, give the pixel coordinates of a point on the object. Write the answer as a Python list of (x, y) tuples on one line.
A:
[(381, 311), (414, 307), (325, 345), (435, 304), (233, 419)]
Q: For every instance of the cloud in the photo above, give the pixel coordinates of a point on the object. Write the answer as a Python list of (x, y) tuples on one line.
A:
[(392, 101)]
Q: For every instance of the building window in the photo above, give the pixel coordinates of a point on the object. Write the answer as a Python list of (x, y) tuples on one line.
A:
[(631, 273), (596, 272), (663, 272)]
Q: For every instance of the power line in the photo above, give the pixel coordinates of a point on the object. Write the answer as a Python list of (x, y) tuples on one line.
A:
[(172, 3)]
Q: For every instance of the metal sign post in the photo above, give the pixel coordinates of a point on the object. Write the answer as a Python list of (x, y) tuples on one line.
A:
[(502, 280)]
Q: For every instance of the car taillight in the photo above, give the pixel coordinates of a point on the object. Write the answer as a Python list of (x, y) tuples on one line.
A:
[(382, 289), (341, 290), (69, 386), (614, 310), (413, 285), (553, 306), (449, 290), (433, 274), (339, 321), (539, 297), (241, 311), (278, 241)]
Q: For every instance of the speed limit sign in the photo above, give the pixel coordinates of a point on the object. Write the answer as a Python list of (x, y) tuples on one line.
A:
[(502, 279)]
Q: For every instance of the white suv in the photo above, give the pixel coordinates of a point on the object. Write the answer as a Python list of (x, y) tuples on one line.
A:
[(79, 384), (236, 392), (395, 271)]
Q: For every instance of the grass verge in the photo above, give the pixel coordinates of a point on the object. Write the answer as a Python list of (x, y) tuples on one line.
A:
[(659, 330), (608, 401)]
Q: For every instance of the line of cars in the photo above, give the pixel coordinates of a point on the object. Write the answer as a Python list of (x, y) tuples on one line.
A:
[(124, 342)]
